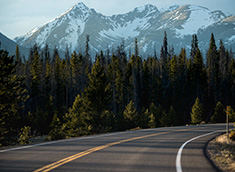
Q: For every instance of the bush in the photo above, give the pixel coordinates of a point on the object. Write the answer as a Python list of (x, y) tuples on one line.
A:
[(56, 133), (24, 135), (232, 134)]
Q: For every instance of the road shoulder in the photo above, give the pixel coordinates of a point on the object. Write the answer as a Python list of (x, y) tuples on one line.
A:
[(221, 153)]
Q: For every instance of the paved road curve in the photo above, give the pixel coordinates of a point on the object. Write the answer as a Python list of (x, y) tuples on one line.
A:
[(144, 150)]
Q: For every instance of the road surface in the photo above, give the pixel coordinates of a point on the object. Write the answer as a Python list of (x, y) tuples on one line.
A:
[(160, 149)]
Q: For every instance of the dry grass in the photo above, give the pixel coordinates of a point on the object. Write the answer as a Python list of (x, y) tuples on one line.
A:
[(222, 153)]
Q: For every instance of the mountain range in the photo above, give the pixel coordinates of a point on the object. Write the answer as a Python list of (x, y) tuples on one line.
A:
[(146, 23)]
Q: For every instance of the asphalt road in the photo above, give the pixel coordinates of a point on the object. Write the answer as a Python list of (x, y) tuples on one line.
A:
[(143, 150)]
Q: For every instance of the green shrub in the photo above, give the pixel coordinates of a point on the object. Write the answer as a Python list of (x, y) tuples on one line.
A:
[(232, 134), (24, 135)]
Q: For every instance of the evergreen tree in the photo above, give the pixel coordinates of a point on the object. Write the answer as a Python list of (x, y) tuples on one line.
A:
[(172, 117), (119, 86), (231, 116), (168, 119), (146, 86), (18, 61), (165, 46), (219, 114), (47, 53), (152, 121), (157, 112), (174, 69), (197, 112), (13, 95), (56, 133), (131, 115), (35, 89), (76, 74), (231, 83), (224, 61), (212, 72), (136, 48), (198, 75), (182, 87), (143, 119), (194, 47), (97, 95), (77, 121)]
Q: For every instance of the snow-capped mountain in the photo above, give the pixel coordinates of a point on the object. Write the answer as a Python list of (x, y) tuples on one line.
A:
[(145, 23)]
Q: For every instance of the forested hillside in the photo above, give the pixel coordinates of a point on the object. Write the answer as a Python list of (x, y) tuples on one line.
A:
[(72, 95)]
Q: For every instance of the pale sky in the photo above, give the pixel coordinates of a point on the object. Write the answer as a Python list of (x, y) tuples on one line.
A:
[(18, 17)]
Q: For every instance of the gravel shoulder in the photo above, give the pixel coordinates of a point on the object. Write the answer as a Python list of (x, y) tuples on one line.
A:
[(222, 153)]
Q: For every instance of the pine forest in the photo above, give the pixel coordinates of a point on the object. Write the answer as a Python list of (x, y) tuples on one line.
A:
[(77, 94)]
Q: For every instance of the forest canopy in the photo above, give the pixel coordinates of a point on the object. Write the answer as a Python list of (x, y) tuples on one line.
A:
[(72, 96)]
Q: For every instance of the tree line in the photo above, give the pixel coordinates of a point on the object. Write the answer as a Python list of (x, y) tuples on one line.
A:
[(73, 96)]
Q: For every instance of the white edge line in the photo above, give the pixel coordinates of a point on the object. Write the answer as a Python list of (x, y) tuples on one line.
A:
[(178, 157)]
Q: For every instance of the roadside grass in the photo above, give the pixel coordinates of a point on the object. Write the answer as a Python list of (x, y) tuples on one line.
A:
[(222, 153)]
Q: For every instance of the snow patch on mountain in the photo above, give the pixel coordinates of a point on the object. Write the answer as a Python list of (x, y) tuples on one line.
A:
[(130, 29), (232, 38), (200, 18), (145, 23), (169, 9)]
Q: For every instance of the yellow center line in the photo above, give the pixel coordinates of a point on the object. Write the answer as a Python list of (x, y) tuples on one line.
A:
[(89, 151)]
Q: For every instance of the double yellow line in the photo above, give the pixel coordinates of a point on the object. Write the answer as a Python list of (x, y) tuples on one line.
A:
[(89, 151)]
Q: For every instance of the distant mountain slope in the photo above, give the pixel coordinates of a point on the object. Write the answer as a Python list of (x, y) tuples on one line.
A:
[(146, 23), (10, 46)]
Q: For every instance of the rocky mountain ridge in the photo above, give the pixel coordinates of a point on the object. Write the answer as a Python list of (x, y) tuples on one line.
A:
[(146, 23)]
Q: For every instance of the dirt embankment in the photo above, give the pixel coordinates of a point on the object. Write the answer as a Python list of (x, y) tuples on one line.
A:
[(222, 153)]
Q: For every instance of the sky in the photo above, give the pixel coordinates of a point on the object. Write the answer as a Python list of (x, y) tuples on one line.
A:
[(18, 17)]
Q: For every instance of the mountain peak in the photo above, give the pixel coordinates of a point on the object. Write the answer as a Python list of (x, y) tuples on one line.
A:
[(80, 7), (170, 8), (145, 23), (148, 7)]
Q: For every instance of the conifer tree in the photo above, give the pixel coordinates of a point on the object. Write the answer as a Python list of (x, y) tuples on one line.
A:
[(174, 69), (199, 73), (157, 112), (47, 53), (219, 114), (172, 117), (231, 116), (168, 119), (76, 72), (145, 91), (194, 47), (18, 61), (119, 86), (231, 82), (136, 48), (13, 95), (77, 121), (212, 71), (181, 106), (131, 115), (197, 112), (224, 61), (97, 94), (143, 118), (165, 46), (35, 71), (152, 121)]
